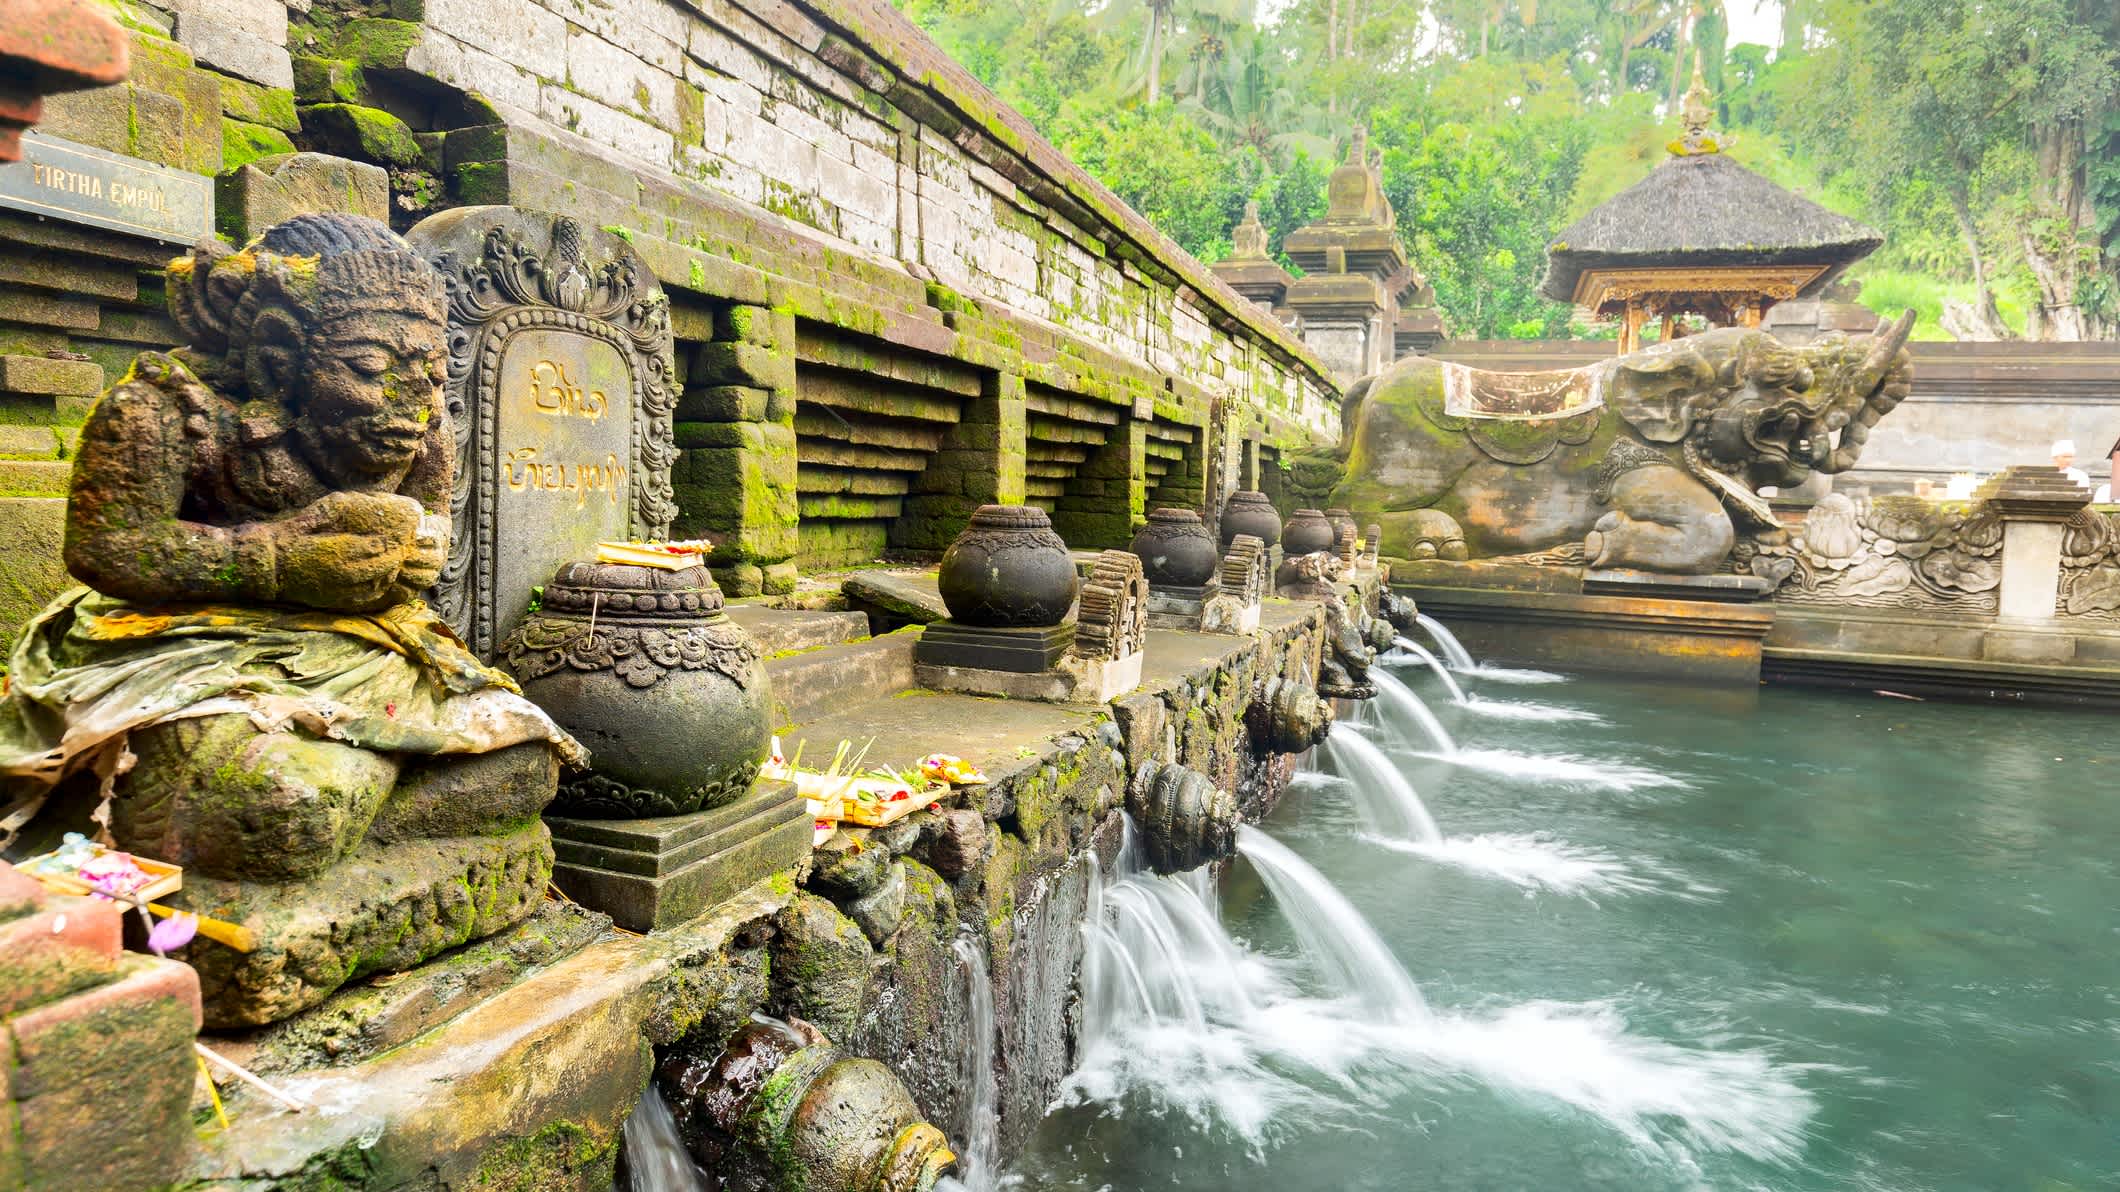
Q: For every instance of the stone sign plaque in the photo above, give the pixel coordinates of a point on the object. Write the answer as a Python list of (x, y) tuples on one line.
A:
[(563, 447), (62, 180), (560, 386)]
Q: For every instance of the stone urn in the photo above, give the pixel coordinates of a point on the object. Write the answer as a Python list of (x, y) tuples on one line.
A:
[(1247, 512), (1306, 533), (1176, 550), (1343, 524), (1008, 570), (644, 668)]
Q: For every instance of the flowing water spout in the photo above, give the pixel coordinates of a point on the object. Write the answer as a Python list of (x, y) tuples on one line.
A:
[(1457, 693), (656, 1159), (1331, 932), (1460, 658), (1392, 691), (1387, 801), (975, 1171)]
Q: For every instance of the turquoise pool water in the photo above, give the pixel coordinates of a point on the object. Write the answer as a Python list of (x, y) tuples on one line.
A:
[(1674, 940)]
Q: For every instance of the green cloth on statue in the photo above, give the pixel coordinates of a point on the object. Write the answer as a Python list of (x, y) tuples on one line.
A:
[(90, 669)]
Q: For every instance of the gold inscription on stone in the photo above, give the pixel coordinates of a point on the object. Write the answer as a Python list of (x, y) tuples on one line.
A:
[(554, 392), (529, 473), (94, 186)]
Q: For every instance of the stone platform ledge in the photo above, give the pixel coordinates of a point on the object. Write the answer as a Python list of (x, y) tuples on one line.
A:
[(529, 1088), (1693, 640), (2064, 660)]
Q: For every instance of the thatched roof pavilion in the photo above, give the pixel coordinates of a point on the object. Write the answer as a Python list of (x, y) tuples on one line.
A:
[(1700, 235)]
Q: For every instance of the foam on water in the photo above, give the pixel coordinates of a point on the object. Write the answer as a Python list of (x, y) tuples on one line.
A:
[(1661, 1096), (1521, 676), (1262, 1056), (1563, 769), (1528, 710), (1533, 861)]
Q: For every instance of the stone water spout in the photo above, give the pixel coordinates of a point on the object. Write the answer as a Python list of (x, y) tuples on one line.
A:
[(1286, 716), (1184, 820), (782, 1107)]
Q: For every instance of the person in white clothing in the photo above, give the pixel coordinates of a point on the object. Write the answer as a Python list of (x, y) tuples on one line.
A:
[(2065, 459)]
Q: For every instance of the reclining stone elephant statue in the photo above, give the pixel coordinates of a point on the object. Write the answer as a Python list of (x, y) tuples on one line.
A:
[(1650, 461)]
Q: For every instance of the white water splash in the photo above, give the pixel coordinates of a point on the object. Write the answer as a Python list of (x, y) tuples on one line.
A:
[(1429, 660), (656, 1159), (1533, 861), (1262, 1059), (1521, 676), (1411, 706), (1460, 658), (1562, 769), (1386, 800), (982, 1145), (1529, 710), (1657, 1095)]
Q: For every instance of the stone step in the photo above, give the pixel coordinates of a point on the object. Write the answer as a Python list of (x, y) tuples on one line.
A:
[(36, 477), (786, 630), (55, 378), (810, 683)]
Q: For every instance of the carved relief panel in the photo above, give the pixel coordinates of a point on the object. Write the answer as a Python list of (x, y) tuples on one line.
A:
[(561, 387)]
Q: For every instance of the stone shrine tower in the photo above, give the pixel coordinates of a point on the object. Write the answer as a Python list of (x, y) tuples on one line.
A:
[(1250, 268), (1355, 269)]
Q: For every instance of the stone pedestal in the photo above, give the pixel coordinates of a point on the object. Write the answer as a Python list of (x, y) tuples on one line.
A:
[(953, 644), (96, 1066), (1174, 607), (652, 874), (2033, 503)]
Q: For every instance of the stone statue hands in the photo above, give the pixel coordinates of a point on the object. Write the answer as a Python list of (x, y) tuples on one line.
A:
[(357, 551)]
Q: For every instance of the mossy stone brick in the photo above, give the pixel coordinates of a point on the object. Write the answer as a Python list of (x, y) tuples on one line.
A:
[(738, 580), (366, 134), (779, 579), (326, 80), (723, 403), (743, 364), (35, 478), (100, 117), (28, 442), (255, 103), (375, 42), (243, 142), (736, 480), (43, 375)]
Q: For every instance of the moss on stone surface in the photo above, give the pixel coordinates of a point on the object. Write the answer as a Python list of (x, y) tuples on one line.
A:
[(561, 1155), (243, 143), (366, 134)]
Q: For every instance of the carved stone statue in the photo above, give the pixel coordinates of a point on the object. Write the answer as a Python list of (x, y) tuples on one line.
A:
[(250, 686), (1651, 461)]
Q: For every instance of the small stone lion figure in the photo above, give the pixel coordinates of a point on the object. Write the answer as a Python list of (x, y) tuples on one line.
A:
[(249, 685)]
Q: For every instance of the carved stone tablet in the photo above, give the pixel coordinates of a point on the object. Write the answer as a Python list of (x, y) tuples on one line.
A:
[(560, 364)]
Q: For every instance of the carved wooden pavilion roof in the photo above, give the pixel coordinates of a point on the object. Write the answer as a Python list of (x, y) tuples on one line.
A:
[(1695, 217)]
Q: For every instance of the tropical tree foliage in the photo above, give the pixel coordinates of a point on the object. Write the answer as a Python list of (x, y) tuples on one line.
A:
[(1983, 139)]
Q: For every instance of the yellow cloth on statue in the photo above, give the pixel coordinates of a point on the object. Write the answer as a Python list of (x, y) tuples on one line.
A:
[(90, 669)]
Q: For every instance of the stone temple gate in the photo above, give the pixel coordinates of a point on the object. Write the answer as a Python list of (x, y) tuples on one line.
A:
[(892, 300)]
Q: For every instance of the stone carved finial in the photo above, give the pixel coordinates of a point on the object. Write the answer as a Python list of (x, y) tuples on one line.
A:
[(1241, 584), (1694, 112), (1244, 570), (1113, 619), (1249, 237)]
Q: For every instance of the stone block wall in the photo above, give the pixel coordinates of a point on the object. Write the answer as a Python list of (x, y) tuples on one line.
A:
[(874, 266), (936, 257)]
